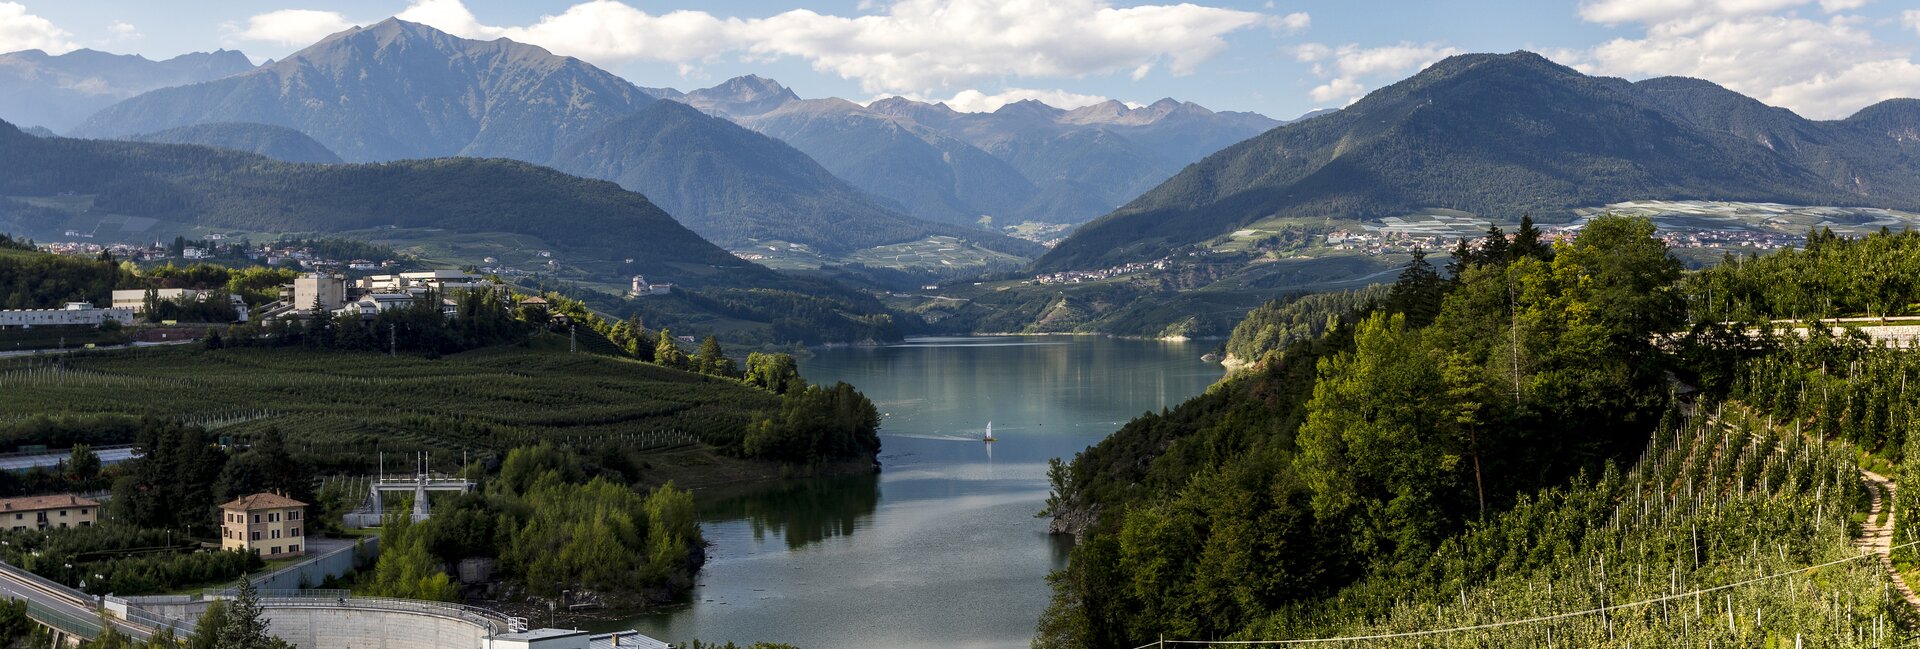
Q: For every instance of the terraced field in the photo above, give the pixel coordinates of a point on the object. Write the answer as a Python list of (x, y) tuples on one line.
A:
[(354, 405)]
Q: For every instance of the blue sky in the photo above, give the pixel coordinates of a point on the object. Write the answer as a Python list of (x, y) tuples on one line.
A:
[(1822, 58)]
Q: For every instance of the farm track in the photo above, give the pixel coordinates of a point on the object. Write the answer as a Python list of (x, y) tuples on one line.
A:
[(1878, 537)]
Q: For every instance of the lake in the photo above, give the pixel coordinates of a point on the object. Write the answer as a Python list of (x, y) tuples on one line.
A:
[(941, 549)]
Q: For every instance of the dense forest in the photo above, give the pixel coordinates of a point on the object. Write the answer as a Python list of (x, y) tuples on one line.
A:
[(553, 526), (1437, 456)]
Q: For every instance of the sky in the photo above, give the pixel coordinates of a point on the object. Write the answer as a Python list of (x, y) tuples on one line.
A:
[(1823, 59)]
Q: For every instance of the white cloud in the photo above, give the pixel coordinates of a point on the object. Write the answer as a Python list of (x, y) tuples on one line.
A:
[(975, 101), (905, 47), (1344, 90), (1836, 6), (1294, 22), (20, 30), (1911, 18), (1821, 68), (1345, 66), (122, 30), (294, 27), (1614, 12)]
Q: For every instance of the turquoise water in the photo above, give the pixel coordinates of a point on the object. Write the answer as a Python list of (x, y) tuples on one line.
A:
[(941, 549)]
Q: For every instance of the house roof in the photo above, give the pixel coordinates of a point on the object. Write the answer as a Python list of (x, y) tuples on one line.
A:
[(36, 503), (262, 500)]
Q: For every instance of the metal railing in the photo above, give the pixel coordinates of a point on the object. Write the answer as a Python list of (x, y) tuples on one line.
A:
[(492, 621), (280, 593)]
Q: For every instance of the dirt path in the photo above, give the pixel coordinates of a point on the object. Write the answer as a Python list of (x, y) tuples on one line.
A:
[(1879, 538)]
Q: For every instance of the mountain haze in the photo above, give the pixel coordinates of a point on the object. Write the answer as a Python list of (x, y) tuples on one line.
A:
[(733, 185), (1025, 161), (277, 142), (56, 92), (1505, 135)]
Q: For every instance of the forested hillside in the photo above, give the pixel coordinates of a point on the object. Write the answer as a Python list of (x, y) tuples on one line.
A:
[(277, 142), (1509, 445)]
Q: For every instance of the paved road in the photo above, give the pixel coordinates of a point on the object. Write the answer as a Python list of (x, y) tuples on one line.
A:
[(108, 456), (49, 352), (58, 605)]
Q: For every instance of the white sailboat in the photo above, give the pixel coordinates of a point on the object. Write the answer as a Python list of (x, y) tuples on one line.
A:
[(989, 438)]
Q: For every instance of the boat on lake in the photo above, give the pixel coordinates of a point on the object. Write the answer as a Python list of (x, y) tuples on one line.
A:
[(989, 438)]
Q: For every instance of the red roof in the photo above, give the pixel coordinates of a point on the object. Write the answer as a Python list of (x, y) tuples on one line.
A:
[(36, 503), (262, 500)]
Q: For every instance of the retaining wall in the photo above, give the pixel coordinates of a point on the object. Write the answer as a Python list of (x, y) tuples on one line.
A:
[(370, 628)]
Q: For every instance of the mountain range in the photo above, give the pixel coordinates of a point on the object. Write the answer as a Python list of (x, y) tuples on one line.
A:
[(1506, 134), (57, 91), (1026, 161), (398, 90)]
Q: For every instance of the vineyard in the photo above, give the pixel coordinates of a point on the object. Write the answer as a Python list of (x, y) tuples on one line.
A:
[(346, 407), (1707, 541)]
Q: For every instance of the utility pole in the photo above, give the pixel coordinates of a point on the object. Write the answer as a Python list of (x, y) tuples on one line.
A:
[(393, 344), (573, 339)]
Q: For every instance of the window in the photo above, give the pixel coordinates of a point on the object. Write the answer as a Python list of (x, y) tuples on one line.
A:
[(83, 512), (19, 516), (256, 518), (276, 534), (256, 536), (293, 548), (63, 513), (293, 515), (294, 532), (273, 517), (86, 523), (275, 550)]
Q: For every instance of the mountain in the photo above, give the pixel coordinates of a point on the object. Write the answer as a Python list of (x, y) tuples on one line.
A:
[(277, 142), (56, 92), (735, 186), (1504, 135), (929, 175), (399, 90), (1025, 161), (209, 187), (1874, 154), (742, 96)]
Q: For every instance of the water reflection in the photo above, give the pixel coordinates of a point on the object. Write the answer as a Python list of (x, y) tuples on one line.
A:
[(803, 511), (942, 548)]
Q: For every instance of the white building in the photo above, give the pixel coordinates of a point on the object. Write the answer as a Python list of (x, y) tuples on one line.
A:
[(641, 287), (74, 314), (437, 280), (136, 299), (371, 304)]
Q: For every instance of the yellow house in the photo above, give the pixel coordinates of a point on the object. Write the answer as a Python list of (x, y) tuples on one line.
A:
[(270, 525), (42, 512)]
